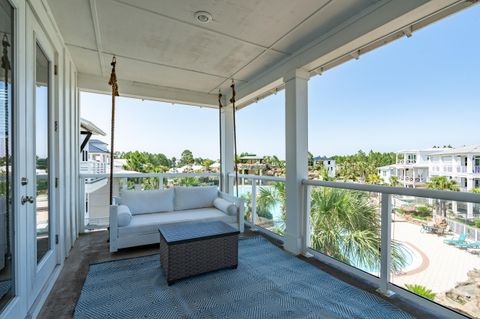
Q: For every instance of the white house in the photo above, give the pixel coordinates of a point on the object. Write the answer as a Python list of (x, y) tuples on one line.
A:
[(414, 168), (411, 167), (329, 164)]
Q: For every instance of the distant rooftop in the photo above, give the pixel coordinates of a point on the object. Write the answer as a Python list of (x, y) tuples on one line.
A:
[(90, 127), (97, 146), (322, 158), (432, 150), (469, 149)]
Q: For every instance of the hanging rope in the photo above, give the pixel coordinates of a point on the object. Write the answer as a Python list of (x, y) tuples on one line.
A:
[(114, 84), (7, 67), (232, 100), (220, 180)]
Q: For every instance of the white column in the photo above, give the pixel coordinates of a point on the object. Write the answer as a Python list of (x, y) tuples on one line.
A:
[(470, 186), (296, 130), (469, 164), (227, 151)]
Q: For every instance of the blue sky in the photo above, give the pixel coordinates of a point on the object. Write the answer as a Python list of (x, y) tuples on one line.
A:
[(413, 93)]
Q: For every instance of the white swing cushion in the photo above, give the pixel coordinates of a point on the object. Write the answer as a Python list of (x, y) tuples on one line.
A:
[(225, 206), (195, 197), (124, 216), (148, 202)]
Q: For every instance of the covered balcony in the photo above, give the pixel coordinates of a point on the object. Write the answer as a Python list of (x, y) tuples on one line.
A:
[(57, 261)]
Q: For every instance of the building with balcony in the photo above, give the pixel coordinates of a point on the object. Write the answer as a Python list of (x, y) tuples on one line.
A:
[(411, 167), (415, 167), (185, 52)]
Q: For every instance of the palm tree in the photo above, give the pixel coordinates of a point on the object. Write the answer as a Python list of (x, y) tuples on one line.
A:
[(444, 184), (346, 226), (394, 181), (268, 197)]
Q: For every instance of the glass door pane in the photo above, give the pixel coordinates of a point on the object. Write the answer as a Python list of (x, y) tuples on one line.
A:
[(42, 153), (6, 169)]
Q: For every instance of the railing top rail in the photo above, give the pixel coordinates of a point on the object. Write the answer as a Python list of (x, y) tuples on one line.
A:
[(260, 177), (145, 175), (415, 192)]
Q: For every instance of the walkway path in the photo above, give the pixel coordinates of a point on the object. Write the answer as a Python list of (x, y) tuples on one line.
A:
[(447, 266)]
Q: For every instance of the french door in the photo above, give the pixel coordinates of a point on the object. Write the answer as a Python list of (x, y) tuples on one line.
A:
[(40, 196)]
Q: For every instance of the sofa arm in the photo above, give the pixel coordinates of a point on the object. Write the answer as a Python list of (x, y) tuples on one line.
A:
[(240, 206), (113, 229)]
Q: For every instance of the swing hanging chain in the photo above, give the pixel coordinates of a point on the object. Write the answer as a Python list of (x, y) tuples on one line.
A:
[(232, 100), (220, 179), (112, 82), (5, 61)]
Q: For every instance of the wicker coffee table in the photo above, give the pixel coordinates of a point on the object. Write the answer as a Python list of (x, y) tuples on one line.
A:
[(191, 249)]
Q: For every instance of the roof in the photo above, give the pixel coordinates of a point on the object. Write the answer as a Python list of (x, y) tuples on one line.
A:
[(432, 150), (90, 127), (97, 146), (322, 158), (251, 157), (464, 150)]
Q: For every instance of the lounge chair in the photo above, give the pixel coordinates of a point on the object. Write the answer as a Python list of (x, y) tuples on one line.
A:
[(469, 245), (460, 240)]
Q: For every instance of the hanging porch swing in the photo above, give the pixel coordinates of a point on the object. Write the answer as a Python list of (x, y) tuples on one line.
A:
[(113, 82)]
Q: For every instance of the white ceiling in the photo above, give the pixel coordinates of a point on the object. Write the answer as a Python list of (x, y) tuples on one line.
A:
[(158, 41)]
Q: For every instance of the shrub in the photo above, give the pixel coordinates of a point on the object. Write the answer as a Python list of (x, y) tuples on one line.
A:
[(477, 223), (421, 291)]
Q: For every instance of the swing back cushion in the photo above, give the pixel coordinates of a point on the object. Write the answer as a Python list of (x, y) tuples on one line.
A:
[(195, 197), (148, 202)]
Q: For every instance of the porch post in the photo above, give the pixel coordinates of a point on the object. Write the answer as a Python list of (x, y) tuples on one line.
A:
[(227, 151), (296, 152)]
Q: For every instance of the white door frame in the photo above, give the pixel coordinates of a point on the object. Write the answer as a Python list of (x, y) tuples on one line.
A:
[(39, 274), (17, 307)]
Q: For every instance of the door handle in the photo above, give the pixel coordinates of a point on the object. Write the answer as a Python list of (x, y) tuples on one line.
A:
[(27, 199)]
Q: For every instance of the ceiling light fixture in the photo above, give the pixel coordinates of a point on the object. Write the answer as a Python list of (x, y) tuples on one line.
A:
[(203, 17)]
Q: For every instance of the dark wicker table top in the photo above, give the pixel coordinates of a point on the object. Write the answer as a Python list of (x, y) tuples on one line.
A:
[(181, 233)]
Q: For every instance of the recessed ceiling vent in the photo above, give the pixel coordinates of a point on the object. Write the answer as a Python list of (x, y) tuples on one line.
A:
[(203, 17)]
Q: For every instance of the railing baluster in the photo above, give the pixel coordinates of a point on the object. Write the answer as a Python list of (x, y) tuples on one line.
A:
[(307, 206), (254, 203), (160, 182), (386, 237)]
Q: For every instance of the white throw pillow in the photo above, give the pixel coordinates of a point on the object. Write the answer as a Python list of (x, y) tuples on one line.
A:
[(195, 197), (145, 202), (124, 216), (225, 206)]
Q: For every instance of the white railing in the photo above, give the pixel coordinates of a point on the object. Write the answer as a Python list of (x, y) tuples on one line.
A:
[(255, 222), (383, 279), (93, 167), (461, 169), (476, 169)]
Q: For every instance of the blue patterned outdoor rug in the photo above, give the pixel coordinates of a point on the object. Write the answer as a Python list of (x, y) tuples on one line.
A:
[(268, 283)]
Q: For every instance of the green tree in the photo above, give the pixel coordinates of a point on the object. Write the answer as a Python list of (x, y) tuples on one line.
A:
[(207, 163), (444, 184), (394, 181), (346, 226), (186, 158), (421, 291), (373, 179)]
